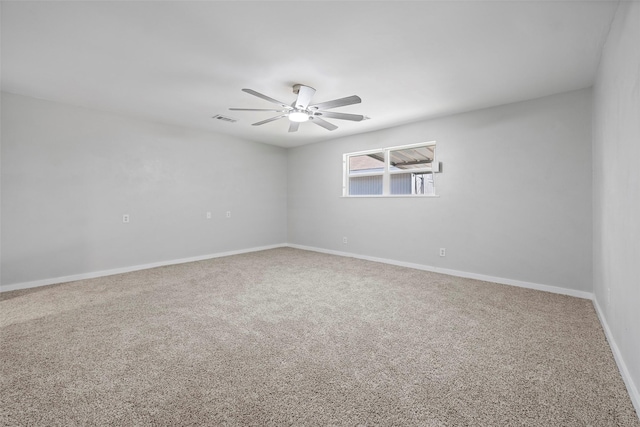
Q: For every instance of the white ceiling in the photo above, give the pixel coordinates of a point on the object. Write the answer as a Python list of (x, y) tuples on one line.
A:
[(183, 62)]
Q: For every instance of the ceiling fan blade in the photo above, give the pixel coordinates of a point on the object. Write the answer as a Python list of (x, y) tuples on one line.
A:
[(269, 120), (341, 116), (265, 97), (293, 126), (304, 96), (349, 100), (317, 120)]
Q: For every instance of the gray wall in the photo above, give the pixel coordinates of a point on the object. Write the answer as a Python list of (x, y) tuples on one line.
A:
[(515, 195), (616, 186), (69, 174)]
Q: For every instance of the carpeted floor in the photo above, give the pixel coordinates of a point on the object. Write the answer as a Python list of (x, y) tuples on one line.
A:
[(290, 337)]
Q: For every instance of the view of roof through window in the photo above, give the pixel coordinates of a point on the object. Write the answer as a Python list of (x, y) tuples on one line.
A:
[(412, 158), (403, 159)]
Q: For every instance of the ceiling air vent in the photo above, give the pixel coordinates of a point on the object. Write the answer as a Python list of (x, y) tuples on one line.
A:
[(224, 118)]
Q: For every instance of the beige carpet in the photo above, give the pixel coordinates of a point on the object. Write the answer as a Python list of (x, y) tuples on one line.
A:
[(290, 337)]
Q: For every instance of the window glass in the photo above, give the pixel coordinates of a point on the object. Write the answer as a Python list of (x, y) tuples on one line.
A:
[(393, 171), (367, 163), (365, 185), (411, 158), (412, 183)]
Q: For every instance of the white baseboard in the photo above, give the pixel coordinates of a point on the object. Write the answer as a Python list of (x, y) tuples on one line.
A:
[(92, 275), (501, 280), (622, 367), (457, 273)]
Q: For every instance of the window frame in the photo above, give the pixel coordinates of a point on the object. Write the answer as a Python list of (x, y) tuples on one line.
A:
[(387, 172)]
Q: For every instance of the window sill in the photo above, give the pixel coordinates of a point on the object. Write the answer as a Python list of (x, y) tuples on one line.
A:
[(393, 196)]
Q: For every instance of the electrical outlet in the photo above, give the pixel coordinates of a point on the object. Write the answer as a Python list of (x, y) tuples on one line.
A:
[(125, 218), (228, 214), (344, 240), (443, 252), (208, 215)]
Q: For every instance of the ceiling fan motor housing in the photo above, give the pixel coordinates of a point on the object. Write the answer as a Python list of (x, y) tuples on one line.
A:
[(296, 88)]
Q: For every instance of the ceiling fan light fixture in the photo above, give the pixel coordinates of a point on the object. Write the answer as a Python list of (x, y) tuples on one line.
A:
[(298, 116)]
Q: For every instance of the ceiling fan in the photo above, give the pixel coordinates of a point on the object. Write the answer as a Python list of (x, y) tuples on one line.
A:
[(301, 110)]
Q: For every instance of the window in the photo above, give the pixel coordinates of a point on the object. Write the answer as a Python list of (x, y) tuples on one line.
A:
[(406, 170)]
